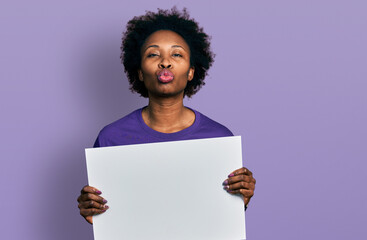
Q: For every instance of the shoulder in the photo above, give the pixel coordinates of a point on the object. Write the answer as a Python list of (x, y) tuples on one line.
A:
[(125, 123), (213, 128), (117, 130)]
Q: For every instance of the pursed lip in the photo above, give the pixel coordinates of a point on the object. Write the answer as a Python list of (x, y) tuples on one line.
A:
[(165, 76)]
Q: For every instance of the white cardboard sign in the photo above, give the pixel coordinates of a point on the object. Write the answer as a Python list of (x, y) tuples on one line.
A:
[(168, 190)]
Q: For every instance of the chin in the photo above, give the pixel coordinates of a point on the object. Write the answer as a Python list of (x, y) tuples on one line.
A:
[(167, 94)]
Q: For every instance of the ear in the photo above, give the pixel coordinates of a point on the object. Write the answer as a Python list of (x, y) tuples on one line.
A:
[(190, 74), (140, 73)]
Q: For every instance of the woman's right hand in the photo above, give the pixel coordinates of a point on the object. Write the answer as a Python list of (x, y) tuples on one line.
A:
[(90, 203)]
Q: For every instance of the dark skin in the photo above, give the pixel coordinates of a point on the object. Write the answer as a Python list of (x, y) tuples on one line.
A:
[(165, 112)]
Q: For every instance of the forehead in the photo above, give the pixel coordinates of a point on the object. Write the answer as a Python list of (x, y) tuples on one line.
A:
[(165, 37)]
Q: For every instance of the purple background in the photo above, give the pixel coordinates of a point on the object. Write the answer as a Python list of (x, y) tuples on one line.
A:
[(289, 76)]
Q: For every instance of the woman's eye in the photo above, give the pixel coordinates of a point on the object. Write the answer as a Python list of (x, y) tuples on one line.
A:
[(177, 55), (152, 55)]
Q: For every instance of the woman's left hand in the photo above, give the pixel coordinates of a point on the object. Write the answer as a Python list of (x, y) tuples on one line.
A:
[(241, 182)]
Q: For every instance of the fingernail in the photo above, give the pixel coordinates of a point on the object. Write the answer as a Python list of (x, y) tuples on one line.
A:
[(104, 201), (225, 182), (231, 175), (97, 191), (226, 187), (229, 191), (106, 207)]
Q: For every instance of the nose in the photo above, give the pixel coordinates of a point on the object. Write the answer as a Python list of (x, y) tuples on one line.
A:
[(165, 63)]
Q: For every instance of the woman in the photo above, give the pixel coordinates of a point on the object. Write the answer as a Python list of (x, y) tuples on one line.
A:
[(166, 56)]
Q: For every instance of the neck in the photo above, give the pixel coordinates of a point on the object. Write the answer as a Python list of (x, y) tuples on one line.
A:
[(167, 115)]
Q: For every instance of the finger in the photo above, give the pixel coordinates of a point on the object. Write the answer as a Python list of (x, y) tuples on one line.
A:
[(246, 200), (254, 180), (239, 185), (239, 178), (89, 189), (244, 192), (91, 211), (240, 171), (91, 196), (92, 204), (89, 219)]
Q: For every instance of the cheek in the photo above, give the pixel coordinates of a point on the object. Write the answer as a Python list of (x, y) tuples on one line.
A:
[(147, 69)]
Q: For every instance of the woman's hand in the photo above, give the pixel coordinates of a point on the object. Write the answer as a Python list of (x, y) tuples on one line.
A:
[(90, 203), (241, 182)]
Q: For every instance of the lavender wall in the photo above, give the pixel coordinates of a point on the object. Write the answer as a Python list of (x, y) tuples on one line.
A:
[(290, 77)]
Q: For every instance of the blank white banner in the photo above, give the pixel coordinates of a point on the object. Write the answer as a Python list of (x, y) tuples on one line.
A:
[(169, 190)]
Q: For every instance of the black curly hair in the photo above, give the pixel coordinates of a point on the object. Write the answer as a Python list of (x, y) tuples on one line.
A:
[(140, 28)]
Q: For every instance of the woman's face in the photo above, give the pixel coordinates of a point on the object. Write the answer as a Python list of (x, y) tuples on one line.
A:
[(165, 64)]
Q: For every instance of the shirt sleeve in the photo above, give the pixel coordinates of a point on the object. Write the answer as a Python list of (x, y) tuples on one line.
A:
[(96, 143)]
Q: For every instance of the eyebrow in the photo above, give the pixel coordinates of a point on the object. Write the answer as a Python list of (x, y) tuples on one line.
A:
[(156, 46)]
